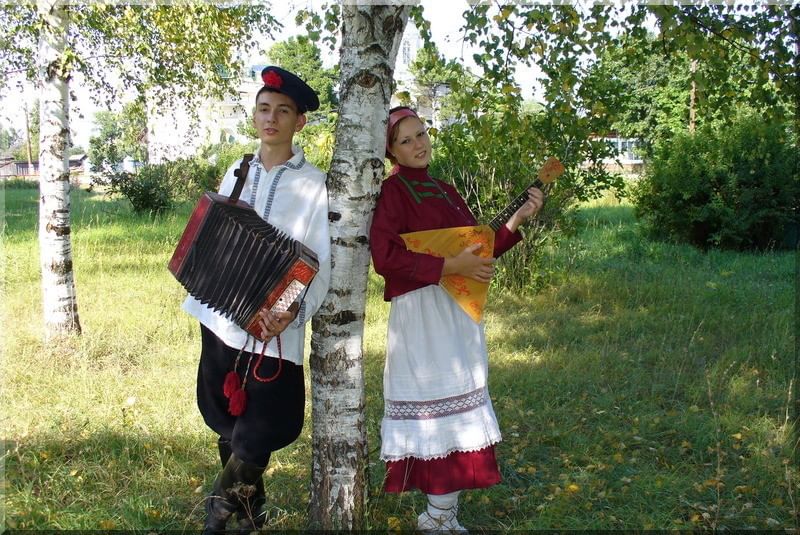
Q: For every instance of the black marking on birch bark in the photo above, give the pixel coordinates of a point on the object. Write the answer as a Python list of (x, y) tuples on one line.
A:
[(341, 242), (374, 166), (362, 240), (337, 181), (59, 230), (341, 292), (375, 50), (391, 24), (344, 317), (334, 216), (370, 196), (52, 70), (61, 268)]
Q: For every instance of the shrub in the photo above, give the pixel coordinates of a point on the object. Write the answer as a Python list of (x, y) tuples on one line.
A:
[(189, 178), (733, 188), (148, 190)]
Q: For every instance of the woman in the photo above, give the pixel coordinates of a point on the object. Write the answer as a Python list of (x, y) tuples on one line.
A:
[(439, 429)]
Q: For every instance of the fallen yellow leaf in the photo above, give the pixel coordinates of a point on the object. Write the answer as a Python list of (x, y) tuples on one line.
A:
[(394, 523)]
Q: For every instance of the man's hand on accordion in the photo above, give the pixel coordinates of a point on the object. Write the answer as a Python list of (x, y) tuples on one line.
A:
[(274, 323)]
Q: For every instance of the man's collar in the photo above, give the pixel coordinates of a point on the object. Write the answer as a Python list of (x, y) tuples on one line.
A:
[(295, 162)]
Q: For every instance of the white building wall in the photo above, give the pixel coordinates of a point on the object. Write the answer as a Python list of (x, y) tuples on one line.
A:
[(174, 133)]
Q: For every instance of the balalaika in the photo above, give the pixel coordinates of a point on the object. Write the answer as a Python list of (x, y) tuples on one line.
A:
[(471, 294), (238, 264)]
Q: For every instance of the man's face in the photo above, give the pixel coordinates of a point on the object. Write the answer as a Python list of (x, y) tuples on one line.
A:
[(276, 118)]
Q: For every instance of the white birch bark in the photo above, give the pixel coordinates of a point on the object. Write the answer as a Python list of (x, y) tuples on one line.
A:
[(60, 305), (370, 38)]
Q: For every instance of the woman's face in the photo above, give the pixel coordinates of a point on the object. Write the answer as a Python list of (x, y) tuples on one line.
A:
[(411, 146)]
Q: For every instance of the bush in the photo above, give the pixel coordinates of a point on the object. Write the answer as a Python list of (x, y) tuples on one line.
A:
[(189, 178), (732, 188), (148, 190)]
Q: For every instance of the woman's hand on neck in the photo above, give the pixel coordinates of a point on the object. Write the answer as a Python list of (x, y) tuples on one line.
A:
[(271, 155)]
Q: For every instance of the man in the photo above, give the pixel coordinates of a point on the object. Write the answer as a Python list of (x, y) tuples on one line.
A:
[(256, 405)]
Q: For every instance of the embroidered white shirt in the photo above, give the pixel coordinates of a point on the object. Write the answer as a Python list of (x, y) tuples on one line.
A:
[(294, 198)]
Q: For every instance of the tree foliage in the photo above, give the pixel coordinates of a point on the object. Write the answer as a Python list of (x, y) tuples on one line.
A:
[(652, 97), (120, 135), (8, 138), (165, 51), (438, 82)]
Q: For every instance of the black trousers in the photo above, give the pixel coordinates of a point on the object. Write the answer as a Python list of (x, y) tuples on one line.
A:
[(273, 417)]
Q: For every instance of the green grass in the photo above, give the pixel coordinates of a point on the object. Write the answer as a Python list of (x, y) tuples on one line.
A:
[(648, 386)]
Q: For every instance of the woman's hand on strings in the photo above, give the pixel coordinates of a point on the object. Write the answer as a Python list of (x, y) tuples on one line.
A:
[(468, 264), (527, 210)]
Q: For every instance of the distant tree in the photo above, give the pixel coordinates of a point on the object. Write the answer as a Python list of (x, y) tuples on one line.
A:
[(8, 139), (120, 135), (439, 82), (659, 92), (28, 148), (246, 129)]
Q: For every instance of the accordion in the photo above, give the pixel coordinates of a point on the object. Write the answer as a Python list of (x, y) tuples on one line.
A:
[(238, 264)]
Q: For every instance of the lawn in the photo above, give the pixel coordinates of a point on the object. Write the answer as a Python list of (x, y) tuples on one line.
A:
[(646, 386)]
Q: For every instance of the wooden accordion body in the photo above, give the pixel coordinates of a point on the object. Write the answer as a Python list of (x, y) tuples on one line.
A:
[(238, 264)]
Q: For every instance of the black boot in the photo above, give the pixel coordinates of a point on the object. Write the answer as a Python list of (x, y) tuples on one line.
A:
[(234, 488), (250, 514)]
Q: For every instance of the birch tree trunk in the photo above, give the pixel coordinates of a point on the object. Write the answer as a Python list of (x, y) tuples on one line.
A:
[(60, 306), (371, 35)]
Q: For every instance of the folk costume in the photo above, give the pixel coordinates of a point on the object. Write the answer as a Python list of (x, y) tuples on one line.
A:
[(292, 197), (439, 428)]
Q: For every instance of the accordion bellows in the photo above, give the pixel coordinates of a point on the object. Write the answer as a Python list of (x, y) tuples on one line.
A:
[(238, 264)]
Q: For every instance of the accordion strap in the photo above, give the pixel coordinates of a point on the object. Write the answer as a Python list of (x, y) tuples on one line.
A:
[(241, 177)]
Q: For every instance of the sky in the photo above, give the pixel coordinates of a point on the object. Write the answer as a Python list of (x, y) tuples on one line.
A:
[(444, 16)]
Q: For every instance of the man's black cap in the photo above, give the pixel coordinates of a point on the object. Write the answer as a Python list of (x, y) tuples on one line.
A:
[(292, 86)]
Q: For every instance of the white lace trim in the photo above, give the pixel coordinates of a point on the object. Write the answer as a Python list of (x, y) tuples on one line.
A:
[(441, 456)]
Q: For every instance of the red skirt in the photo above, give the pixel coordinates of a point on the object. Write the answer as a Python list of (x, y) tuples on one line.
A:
[(458, 471)]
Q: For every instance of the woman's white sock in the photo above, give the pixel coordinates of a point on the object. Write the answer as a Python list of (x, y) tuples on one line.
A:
[(443, 504)]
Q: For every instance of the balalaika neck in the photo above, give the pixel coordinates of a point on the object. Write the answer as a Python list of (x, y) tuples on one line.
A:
[(501, 218)]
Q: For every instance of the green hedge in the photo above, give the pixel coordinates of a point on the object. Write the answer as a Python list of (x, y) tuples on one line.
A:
[(733, 187)]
